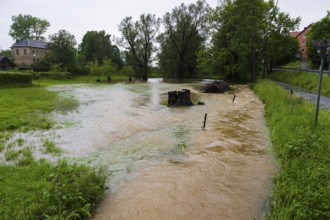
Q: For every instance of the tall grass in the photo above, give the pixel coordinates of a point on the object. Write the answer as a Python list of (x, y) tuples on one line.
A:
[(45, 191), (302, 186), (308, 81)]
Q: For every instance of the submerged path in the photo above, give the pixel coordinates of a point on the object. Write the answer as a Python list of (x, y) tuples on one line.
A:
[(225, 172)]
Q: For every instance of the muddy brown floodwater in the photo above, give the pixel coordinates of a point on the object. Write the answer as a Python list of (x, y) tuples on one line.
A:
[(224, 173)]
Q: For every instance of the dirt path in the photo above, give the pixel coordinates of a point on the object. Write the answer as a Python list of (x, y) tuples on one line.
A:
[(225, 174)]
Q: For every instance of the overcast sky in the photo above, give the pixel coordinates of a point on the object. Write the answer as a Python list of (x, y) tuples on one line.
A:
[(80, 16)]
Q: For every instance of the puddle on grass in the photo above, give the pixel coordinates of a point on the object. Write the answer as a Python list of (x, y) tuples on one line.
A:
[(224, 172)]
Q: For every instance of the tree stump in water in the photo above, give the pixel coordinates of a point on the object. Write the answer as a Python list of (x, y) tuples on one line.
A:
[(179, 98)]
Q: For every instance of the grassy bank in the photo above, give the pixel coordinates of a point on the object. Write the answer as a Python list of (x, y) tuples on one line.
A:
[(302, 187), (308, 81), (33, 189)]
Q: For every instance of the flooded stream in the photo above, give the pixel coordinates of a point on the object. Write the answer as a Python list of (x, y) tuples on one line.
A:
[(224, 172)]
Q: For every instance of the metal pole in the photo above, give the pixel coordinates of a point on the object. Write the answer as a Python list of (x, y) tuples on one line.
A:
[(319, 89)]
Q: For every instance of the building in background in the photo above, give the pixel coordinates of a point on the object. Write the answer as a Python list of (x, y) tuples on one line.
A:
[(302, 40), (27, 52)]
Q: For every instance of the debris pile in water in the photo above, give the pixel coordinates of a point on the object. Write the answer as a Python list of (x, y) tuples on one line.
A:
[(216, 87)]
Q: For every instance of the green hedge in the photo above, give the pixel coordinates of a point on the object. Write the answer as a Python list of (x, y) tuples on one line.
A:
[(10, 78)]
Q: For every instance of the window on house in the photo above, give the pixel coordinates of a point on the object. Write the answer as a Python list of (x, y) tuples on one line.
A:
[(32, 51), (25, 51), (17, 51)]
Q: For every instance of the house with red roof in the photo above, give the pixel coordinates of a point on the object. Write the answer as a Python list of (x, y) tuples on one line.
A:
[(302, 40)]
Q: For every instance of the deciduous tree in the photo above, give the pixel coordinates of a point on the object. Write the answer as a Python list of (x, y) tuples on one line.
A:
[(97, 45), (28, 27), (185, 31), (248, 32), (138, 37), (320, 30), (62, 50)]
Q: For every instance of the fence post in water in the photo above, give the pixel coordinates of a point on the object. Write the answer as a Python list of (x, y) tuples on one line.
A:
[(291, 91), (205, 117), (234, 97)]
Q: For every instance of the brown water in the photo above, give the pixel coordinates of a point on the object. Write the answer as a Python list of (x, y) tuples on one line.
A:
[(224, 173)]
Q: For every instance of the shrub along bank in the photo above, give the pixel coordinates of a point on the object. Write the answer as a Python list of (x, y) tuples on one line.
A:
[(14, 78), (302, 187)]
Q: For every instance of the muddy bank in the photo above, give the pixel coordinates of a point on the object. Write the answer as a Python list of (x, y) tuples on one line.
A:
[(225, 172)]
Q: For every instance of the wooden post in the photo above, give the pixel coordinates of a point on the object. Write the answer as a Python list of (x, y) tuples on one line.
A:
[(291, 107), (205, 117)]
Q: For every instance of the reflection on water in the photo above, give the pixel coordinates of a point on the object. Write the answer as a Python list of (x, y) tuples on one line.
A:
[(224, 173)]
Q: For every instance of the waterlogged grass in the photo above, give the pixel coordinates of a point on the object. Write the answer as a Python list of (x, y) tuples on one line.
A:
[(308, 81), (33, 189), (302, 186), (51, 148), (45, 191), (66, 104)]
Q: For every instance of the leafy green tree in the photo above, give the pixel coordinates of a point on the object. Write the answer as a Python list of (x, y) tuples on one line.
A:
[(108, 68), (28, 27), (186, 28), (94, 69), (97, 45), (138, 37), (279, 46), (247, 34), (320, 30), (127, 71), (63, 51), (204, 63), (6, 53)]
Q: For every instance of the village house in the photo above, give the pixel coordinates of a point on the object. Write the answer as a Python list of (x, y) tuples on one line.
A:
[(27, 52), (302, 40)]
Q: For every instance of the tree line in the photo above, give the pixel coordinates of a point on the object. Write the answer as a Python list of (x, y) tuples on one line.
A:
[(232, 41)]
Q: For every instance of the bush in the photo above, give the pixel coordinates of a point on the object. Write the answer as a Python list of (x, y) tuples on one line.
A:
[(12, 78)]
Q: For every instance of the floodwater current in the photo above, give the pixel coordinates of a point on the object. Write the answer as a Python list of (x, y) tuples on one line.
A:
[(225, 171)]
